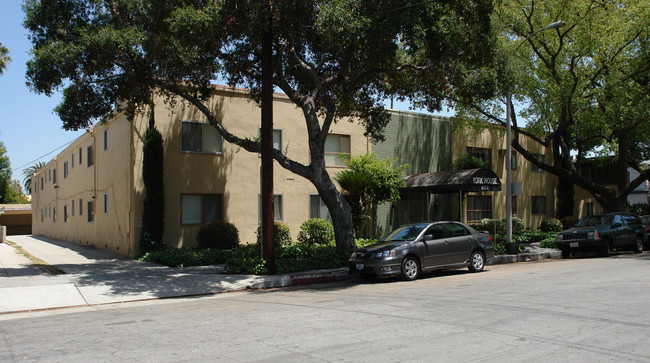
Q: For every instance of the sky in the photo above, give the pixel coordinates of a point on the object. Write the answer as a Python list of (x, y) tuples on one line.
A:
[(29, 128)]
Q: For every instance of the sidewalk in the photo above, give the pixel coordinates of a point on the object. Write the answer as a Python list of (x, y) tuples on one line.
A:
[(38, 273)]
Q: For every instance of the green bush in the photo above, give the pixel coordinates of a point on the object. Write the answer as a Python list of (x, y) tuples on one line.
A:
[(491, 225), (568, 222), (518, 225), (551, 225), (305, 257), (548, 243), (186, 256), (219, 235), (281, 234), (316, 231)]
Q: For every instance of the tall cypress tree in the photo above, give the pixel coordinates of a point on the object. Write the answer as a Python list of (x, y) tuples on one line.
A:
[(153, 215)]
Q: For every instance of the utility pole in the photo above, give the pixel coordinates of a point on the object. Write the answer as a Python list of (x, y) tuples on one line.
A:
[(267, 144)]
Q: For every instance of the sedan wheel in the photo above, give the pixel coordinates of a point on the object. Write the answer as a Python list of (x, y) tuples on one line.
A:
[(638, 245), (476, 261), (410, 269)]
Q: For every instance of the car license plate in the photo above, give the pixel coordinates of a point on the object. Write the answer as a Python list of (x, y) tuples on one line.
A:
[(359, 266), (574, 244)]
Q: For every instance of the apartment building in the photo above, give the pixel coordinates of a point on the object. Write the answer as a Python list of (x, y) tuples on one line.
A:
[(92, 192)]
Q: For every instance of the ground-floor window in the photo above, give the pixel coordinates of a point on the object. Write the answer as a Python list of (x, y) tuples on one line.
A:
[(318, 209), (589, 206), (479, 207), (91, 211), (201, 208), (277, 208), (538, 204)]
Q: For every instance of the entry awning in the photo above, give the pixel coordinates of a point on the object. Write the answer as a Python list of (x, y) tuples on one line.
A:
[(470, 180)]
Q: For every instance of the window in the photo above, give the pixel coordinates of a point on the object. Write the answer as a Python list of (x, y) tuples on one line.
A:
[(481, 153), (534, 168), (201, 138), (277, 208), (54, 214), (337, 149), (514, 204), (513, 161), (41, 183), (81, 207), (80, 160), (72, 160), (72, 208), (318, 209), (89, 156), (589, 206), (538, 205), (106, 139), (49, 174), (65, 170), (54, 176), (437, 231), (91, 211), (105, 203), (478, 207), (456, 230), (277, 139), (201, 208), (65, 213), (42, 219)]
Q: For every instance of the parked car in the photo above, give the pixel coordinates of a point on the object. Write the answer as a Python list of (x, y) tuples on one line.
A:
[(602, 233), (416, 248), (646, 224)]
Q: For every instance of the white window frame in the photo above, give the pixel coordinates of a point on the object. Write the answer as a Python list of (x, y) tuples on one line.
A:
[(203, 126), (275, 203), (321, 206), (339, 160), (186, 222), (106, 203)]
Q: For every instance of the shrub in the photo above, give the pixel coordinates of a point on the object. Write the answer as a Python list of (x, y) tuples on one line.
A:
[(218, 235), (551, 225), (186, 256), (281, 234), (518, 225), (316, 231), (491, 225), (548, 243), (568, 222)]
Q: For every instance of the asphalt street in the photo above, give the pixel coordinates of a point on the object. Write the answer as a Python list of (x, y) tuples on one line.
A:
[(585, 309)]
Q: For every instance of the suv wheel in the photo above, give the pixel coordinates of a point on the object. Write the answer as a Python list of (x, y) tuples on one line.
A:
[(638, 245)]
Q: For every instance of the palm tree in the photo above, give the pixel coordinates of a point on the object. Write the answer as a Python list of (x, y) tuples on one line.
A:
[(4, 57), (27, 173)]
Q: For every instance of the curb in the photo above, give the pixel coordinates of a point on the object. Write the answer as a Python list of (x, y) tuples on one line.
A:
[(525, 257), (318, 276)]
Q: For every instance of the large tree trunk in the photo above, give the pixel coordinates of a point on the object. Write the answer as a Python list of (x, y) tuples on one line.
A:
[(565, 194)]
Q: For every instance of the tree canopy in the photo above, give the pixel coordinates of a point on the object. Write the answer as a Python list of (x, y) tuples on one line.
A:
[(583, 87), (4, 58), (333, 59)]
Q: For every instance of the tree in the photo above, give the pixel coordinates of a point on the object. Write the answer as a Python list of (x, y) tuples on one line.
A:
[(369, 181), (4, 58), (28, 173), (584, 88), (15, 194), (153, 215), (5, 175), (334, 59)]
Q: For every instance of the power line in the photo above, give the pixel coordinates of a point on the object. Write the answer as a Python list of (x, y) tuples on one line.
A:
[(13, 170)]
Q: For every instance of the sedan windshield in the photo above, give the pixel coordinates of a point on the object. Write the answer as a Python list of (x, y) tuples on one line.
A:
[(406, 233)]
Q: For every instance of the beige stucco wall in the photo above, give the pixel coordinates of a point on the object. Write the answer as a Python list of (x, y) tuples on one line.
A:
[(235, 173), (109, 175), (533, 183)]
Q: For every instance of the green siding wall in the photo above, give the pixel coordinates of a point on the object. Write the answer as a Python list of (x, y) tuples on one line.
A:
[(424, 142)]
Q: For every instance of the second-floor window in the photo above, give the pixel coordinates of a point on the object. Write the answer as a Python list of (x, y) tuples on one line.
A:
[(200, 138), (337, 149), (89, 157), (538, 204), (481, 153), (534, 168), (65, 170)]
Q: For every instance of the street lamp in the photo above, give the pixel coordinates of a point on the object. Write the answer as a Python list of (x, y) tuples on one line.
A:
[(511, 247)]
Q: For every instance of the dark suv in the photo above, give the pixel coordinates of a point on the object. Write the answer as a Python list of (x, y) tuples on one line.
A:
[(602, 233)]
